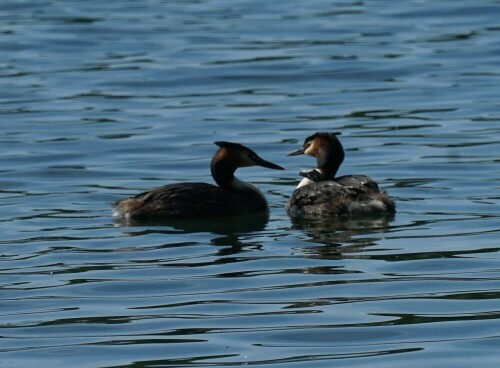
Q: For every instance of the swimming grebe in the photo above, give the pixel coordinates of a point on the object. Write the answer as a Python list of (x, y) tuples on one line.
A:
[(320, 193), (231, 197)]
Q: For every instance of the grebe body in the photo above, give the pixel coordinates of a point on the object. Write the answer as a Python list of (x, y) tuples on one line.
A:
[(321, 193), (231, 197)]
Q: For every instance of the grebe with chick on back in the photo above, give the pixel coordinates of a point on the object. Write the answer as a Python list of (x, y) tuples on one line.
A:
[(321, 193), (185, 200)]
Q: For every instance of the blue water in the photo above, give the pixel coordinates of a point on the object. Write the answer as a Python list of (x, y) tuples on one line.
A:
[(100, 100)]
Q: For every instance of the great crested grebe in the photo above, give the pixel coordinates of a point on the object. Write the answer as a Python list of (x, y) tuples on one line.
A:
[(231, 197), (320, 193)]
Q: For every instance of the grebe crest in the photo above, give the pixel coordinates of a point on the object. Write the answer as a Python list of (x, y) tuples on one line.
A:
[(322, 193), (231, 197)]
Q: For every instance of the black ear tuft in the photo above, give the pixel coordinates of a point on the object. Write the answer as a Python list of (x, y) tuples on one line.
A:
[(235, 146), (224, 144), (321, 134)]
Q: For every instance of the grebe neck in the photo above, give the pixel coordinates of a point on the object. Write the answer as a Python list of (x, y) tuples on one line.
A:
[(223, 173), (329, 163)]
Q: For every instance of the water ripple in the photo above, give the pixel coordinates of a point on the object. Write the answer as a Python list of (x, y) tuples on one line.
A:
[(103, 100)]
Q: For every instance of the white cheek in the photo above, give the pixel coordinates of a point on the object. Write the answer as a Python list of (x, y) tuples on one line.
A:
[(309, 151)]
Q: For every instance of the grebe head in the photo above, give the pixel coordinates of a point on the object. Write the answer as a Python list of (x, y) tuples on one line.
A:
[(231, 156), (327, 149)]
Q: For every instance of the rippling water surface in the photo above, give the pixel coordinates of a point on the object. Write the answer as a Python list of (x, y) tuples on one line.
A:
[(101, 100)]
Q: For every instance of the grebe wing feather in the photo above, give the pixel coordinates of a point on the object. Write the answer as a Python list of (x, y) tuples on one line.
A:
[(320, 192), (362, 183), (192, 200), (349, 194), (182, 192), (187, 200)]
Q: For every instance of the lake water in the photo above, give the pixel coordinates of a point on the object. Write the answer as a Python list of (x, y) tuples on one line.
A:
[(103, 99)]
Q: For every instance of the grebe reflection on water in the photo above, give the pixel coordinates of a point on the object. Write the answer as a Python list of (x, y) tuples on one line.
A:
[(202, 200), (321, 193)]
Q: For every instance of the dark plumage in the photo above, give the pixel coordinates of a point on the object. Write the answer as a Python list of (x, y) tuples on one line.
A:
[(231, 197), (323, 194)]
